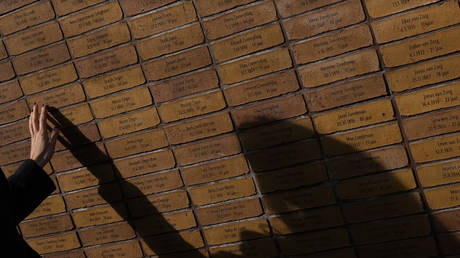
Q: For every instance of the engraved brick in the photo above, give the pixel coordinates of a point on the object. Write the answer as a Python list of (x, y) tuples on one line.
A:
[(209, 7), (131, 7), (222, 191), (439, 173), (215, 170), (200, 128), (449, 242), (10, 91), (60, 97), (332, 44), (154, 183), (15, 152), (416, 22), (91, 19), (229, 211), (307, 220), (6, 71), (86, 177), (48, 79), (253, 249), (339, 68), (3, 53), (129, 123), (103, 194), (64, 7), (330, 18), (185, 85), (446, 221), (345, 93), (162, 223), (173, 242), (41, 58), (378, 8), (162, 20), (129, 248), (431, 124), (292, 177), (237, 232), (170, 42), (34, 38), (341, 253), (122, 102), (46, 225), (137, 143), (68, 254), (51, 205), (424, 73), (443, 197), (51, 244), (254, 66), (288, 8), (421, 48), (145, 163), (75, 115), (99, 215), (26, 17), (177, 64), (436, 148), (11, 169), (11, 5), (13, 111), (78, 136), (67, 160), (192, 106), (14, 132), (207, 149), (113, 82), (170, 201), (105, 234), (355, 116), (315, 241), (101, 39), (414, 248)]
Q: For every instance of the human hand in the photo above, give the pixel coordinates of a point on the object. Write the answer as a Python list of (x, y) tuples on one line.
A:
[(42, 141)]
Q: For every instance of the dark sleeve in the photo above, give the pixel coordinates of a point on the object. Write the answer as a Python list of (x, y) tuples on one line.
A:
[(28, 187)]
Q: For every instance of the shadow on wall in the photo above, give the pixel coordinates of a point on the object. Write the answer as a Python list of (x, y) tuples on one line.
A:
[(309, 197)]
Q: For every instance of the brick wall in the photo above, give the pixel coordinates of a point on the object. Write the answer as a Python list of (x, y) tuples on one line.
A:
[(238, 128)]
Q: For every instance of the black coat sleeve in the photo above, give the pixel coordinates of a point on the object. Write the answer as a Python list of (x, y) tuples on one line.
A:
[(28, 187)]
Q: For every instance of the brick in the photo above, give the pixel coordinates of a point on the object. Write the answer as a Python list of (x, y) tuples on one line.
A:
[(339, 68), (170, 201), (105, 234), (113, 82), (170, 42), (26, 17), (67, 254), (307, 220), (239, 20), (436, 148), (209, 7), (153, 183), (229, 211), (14, 132), (315, 241), (3, 53), (377, 8), (11, 169), (428, 99), (394, 229), (353, 117), (267, 87), (14, 152), (145, 163), (362, 139), (129, 123), (46, 225), (11, 5), (383, 207), (33, 38), (192, 106), (129, 248), (63, 7), (421, 74), (222, 191), (10, 91), (416, 22), (332, 44), (199, 128), (13, 111), (292, 177), (439, 173), (122, 102), (431, 124), (86, 177), (137, 143), (255, 66), (283, 132), (443, 197), (380, 184), (368, 162), (99, 40), (185, 85), (298, 199), (198, 253), (268, 111), (449, 242), (288, 8), (173, 242), (74, 115), (89, 154), (413, 248), (91, 19), (330, 18), (51, 205), (103, 194), (215, 170), (446, 221), (51, 244), (237, 232), (48, 79), (177, 63), (254, 249), (207, 149), (162, 20), (6, 71), (420, 48), (342, 253), (131, 8), (160, 223), (41, 58), (98, 216), (77, 136), (286, 155), (60, 97)]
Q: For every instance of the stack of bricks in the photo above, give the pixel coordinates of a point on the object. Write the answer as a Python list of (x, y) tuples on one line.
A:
[(239, 128)]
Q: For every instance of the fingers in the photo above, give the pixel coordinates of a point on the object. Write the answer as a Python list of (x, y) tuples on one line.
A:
[(42, 121), (35, 122), (31, 121), (53, 138)]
